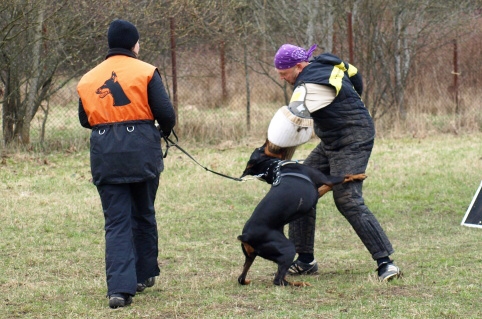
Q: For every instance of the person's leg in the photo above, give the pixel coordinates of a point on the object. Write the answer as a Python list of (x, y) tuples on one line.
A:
[(144, 228), (348, 197), (349, 201), (353, 159), (119, 248)]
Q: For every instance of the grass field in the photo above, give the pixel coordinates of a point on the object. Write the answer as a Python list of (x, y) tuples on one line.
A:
[(52, 244)]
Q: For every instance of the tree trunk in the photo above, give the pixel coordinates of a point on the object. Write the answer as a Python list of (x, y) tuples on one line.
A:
[(10, 105), (399, 50), (32, 103), (248, 89)]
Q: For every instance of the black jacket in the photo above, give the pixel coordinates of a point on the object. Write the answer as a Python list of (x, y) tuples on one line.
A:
[(130, 152), (346, 120)]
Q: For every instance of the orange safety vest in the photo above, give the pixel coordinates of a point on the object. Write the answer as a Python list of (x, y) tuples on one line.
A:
[(116, 91)]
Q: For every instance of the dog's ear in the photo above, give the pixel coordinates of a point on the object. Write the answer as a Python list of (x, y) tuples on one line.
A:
[(253, 160)]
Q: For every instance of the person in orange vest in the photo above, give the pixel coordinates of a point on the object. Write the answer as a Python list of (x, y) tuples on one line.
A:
[(120, 101)]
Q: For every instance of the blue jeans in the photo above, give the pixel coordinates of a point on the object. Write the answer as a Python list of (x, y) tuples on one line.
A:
[(131, 238)]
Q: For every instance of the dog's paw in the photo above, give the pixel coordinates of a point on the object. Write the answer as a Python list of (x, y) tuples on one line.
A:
[(356, 177), (244, 281), (300, 284)]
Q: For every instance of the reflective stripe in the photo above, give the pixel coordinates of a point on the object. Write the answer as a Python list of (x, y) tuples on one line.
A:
[(352, 70), (336, 76)]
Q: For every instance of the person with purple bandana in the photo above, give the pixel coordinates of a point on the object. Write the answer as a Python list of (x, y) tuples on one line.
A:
[(329, 90)]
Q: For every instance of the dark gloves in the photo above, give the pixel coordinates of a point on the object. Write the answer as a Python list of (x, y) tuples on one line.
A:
[(165, 134)]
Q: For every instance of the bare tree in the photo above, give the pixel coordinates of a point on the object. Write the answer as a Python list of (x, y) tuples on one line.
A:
[(390, 35), (276, 22), (44, 45)]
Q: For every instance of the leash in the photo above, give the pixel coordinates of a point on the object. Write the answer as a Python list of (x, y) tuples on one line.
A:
[(170, 143)]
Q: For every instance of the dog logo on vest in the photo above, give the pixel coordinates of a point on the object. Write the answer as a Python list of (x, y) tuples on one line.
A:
[(112, 87)]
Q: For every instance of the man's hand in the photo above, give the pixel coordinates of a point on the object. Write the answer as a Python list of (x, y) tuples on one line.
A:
[(165, 134)]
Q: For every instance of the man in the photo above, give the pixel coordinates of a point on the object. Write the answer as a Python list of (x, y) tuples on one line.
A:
[(119, 100), (330, 89)]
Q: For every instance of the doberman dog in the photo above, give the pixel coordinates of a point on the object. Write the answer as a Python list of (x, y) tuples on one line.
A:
[(295, 191)]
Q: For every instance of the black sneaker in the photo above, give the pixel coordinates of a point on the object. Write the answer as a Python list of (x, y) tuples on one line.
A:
[(301, 268), (388, 271), (146, 284), (119, 300)]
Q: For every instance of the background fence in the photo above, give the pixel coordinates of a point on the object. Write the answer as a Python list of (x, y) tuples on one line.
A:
[(211, 106), (418, 65)]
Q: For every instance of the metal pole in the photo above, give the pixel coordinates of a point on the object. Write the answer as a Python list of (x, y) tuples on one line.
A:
[(350, 37), (223, 71), (248, 91), (174, 67), (456, 77)]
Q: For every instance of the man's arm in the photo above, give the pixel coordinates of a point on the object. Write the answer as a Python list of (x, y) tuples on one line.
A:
[(84, 121), (160, 104), (318, 96)]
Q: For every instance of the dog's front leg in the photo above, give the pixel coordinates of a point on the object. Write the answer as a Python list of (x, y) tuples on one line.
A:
[(348, 178), (323, 190), (250, 255), (356, 177), (280, 278)]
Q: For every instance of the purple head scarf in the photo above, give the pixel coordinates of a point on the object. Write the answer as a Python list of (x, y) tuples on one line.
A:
[(289, 55)]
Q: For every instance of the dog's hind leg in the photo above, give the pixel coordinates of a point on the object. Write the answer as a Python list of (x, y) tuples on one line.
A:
[(250, 254)]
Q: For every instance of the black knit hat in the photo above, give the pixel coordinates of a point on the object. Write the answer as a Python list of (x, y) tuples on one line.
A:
[(122, 34)]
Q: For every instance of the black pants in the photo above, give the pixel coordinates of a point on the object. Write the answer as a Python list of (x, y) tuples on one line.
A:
[(348, 197), (131, 239)]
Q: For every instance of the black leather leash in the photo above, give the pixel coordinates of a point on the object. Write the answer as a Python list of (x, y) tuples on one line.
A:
[(170, 143)]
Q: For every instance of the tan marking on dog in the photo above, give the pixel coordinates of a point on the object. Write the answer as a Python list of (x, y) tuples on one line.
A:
[(348, 178), (248, 248), (299, 284), (323, 190), (356, 177)]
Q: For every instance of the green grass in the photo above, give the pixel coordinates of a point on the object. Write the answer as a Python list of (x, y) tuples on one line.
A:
[(52, 239)]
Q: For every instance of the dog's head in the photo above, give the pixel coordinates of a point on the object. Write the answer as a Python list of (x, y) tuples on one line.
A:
[(259, 162)]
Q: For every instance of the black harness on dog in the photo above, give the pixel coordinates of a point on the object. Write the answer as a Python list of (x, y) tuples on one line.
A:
[(279, 175), (296, 175)]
